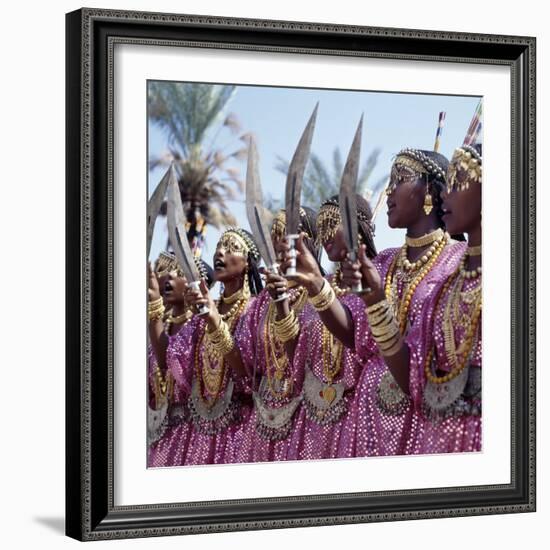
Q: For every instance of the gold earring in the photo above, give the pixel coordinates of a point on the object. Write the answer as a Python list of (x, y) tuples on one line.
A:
[(428, 204), (246, 286)]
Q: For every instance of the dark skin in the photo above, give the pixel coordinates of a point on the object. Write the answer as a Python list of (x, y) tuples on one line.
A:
[(173, 297), (405, 210), (276, 285), (229, 269), (462, 214), (337, 318)]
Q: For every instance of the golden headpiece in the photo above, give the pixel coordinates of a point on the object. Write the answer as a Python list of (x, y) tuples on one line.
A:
[(466, 161), (237, 241)]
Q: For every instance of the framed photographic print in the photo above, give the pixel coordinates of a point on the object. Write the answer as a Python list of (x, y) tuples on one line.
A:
[(274, 274)]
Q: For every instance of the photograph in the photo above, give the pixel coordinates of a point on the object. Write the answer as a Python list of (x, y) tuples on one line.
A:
[(314, 284), (275, 309)]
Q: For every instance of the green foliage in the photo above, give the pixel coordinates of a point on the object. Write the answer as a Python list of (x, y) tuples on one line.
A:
[(321, 182), (192, 117)]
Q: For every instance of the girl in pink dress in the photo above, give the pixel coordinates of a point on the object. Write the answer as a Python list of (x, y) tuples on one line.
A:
[(275, 380), (168, 416), (217, 400), (446, 360), (330, 366), (396, 284)]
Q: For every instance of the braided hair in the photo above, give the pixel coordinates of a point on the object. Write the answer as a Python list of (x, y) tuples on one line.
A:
[(329, 215), (308, 224)]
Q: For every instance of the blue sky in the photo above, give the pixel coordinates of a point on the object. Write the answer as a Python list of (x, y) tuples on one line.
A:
[(277, 117)]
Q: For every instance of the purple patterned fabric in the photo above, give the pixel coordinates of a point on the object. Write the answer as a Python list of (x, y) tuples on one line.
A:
[(325, 433), (170, 449), (256, 443), (201, 440), (385, 425), (460, 431)]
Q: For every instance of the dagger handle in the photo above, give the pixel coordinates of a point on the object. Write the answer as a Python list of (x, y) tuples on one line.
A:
[(203, 310), (274, 268), (357, 287), (291, 269)]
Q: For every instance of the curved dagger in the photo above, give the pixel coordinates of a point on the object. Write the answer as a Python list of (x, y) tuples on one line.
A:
[(178, 236), (293, 189), (347, 197), (153, 207), (256, 213)]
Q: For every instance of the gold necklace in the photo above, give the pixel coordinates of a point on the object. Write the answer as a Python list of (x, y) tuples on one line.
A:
[(233, 297), (474, 250), (424, 240), (402, 305), (179, 319), (276, 359), (474, 273), (331, 347), (413, 266), (469, 322), (335, 283), (213, 372)]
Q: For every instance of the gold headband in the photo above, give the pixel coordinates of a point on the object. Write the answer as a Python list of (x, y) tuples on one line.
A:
[(246, 243), (166, 263), (465, 160), (328, 221), (411, 163), (278, 227)]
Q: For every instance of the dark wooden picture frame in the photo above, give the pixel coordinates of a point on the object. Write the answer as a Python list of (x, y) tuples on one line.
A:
[(90, 510)]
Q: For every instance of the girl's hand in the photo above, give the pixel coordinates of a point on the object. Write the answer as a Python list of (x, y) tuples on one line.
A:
[(197, 297), (308, 274), (153, 290), (276, 284), (365, 271)]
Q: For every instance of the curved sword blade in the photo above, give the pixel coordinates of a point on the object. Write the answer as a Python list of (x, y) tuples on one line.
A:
[(176, 230), (254, 206), (295, 176), (153, 207), (347, 199)]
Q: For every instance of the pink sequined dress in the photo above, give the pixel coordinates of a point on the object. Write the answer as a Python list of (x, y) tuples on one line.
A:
[(214, 422), (267, 436), (449, 412), (331, 372), (171, 425), (384, 418)]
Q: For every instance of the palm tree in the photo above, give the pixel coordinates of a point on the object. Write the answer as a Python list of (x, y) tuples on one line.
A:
[(320, 183), (192, 117)]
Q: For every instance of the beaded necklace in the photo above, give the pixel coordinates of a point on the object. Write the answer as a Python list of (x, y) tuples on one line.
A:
[(331, 347), (212, 375), (402, 304), (453, 319), (280, 386)]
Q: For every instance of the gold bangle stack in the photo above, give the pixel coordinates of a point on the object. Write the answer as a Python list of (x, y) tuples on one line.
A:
[(220, 340), (324, 299), (287, 328), (384, 328), (155, 309)]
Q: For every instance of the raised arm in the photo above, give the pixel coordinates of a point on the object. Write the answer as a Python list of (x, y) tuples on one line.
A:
[(382, 318), (158, 339), (332, 312)]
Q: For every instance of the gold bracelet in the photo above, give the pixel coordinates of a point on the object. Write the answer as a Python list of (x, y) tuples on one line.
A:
[(287, 328), (324, 299), (377, 306), (392, 350), (289, 333), (383, 329), (156, 314), (376, 319), (155, 304), (391, 332), (221, 340)]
